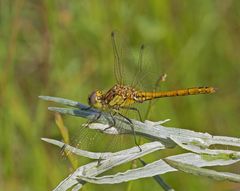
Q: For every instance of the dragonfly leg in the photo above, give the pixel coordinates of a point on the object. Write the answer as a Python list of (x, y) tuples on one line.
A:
[(132, 128), (96, 118), (134, 109), (113, 121)]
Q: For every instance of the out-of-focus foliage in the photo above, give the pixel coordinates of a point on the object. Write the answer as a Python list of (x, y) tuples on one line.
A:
[(63, 48)]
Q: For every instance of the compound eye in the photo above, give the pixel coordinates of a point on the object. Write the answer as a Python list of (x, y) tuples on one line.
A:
[(92, 99)]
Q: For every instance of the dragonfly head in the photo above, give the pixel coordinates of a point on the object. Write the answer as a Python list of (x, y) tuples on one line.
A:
[(95, 99)]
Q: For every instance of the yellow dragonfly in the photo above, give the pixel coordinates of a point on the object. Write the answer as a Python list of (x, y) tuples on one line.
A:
[(122, 96)]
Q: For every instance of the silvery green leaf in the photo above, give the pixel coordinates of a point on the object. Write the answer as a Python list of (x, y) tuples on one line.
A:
[(193, 169), (102, 165), (160, 167), (146, 149), (200, 145), (200, 154)]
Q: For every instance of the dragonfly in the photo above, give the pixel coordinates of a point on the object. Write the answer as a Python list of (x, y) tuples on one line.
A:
[(122, 96)]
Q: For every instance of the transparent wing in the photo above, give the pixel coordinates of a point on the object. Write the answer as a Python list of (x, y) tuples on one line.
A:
[(118, 67), (136, 81)]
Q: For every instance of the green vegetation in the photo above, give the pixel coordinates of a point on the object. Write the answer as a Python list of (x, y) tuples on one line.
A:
[(208, 157), (63, 48)]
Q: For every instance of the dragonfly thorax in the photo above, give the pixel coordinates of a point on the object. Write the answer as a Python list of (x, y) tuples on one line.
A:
[(117, 97)]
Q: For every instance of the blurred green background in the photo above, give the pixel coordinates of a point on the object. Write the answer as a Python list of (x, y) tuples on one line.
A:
[(63, 48)]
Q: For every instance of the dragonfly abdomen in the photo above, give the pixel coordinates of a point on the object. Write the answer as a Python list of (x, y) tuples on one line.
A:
[(144, 96)]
